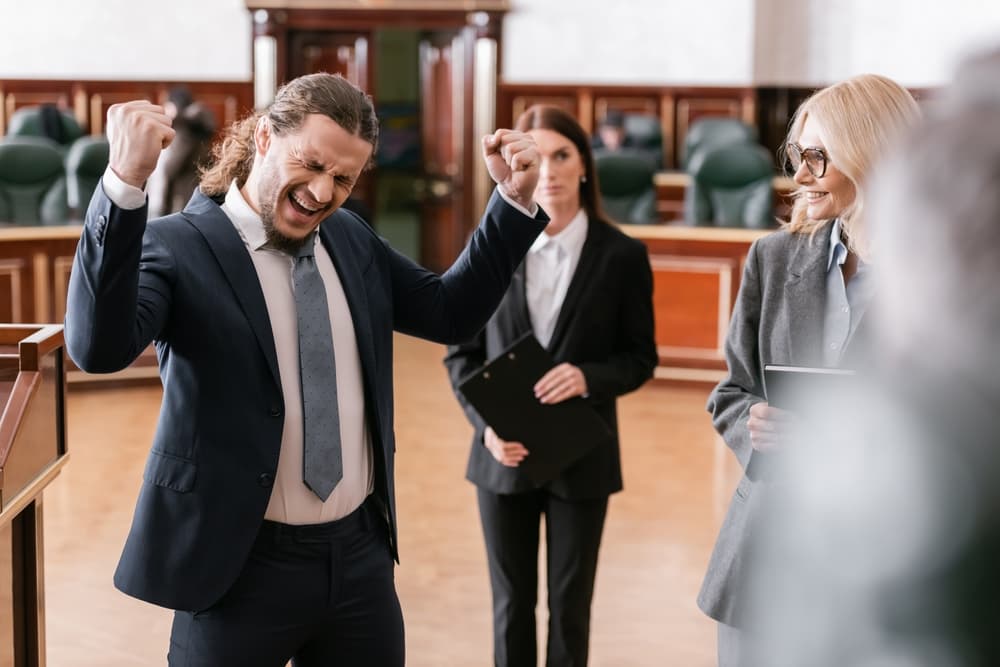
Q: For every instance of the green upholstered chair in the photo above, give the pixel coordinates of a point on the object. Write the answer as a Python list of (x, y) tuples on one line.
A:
[(32, 181), (85, 164), (712, 131), (731, 186), (45, 121), (644, 135), (625, 179)]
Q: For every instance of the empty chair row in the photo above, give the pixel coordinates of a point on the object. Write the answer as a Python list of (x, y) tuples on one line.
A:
[(731, 176), (42, 184), (46, 121)]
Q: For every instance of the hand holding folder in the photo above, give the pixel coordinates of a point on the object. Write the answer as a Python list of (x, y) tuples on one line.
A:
[(555, 435)]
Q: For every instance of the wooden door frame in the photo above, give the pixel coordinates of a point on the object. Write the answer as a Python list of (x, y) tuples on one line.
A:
[(484, 19)]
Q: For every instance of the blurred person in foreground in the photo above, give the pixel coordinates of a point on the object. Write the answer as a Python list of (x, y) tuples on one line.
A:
[(585, 290), (903, 570), (802, 302), (267, 516)]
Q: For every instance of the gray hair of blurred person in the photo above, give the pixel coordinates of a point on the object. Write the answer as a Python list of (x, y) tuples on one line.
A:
[(859, 119), (330, 95)]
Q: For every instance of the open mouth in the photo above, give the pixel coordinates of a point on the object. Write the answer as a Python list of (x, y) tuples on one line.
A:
[(302, 207)]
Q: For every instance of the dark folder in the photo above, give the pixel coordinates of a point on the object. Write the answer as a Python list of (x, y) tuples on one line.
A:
[(803, 389), (556, 435)]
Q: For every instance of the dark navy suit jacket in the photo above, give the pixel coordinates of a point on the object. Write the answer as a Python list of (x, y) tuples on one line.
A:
[(186, 282)]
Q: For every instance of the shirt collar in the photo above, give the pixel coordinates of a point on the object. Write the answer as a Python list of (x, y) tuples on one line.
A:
[(838, 251), (245, 219), (570, 239)]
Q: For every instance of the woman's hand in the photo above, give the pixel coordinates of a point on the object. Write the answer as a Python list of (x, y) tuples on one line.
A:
[(561, 383), (769, 427), (508, 453)]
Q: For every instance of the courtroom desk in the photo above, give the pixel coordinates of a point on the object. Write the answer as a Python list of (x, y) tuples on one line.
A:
[(696, 275), (35, 264), (671, 186)]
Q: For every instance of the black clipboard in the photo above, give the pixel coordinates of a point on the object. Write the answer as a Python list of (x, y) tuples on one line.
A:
[(556, 435)]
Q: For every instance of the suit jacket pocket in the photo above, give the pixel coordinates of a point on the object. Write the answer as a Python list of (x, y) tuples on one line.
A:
[(170, 472)]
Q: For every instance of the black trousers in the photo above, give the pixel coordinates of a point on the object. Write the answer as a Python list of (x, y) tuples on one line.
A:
[(319, 595), (572, 540)]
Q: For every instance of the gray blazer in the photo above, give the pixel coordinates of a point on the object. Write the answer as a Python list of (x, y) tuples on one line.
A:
[(778, 319)]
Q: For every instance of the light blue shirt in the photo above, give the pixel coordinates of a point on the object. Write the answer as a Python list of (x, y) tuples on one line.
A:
[(845, 304)]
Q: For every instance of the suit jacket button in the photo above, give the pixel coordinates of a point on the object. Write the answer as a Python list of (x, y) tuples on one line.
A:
[(275, 411), (266, 479)]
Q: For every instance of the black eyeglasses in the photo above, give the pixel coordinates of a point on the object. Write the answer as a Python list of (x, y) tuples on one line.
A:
[(815, 159)]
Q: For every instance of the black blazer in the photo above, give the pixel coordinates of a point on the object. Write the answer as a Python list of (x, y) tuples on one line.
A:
[(187, 283), (605, 327)]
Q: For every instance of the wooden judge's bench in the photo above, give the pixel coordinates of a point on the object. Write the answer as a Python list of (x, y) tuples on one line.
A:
[(32, 452)]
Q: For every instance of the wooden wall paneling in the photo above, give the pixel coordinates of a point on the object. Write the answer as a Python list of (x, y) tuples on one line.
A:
[(89, 100), (229, 101), (630, 104), (13, 283), (568, 103), (585, 111), (33, 93), (668, 115), (61, 266), (102, 95)]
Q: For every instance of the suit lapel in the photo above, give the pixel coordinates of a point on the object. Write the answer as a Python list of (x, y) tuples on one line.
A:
[(519, 299), (231, 253), (805, 291), (578, 283)]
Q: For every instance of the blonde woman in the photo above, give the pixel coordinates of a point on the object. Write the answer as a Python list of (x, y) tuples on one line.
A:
[(802, 301)]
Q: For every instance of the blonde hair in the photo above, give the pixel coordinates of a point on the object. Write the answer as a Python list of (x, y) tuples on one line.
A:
[(328, 94), (858, 121)]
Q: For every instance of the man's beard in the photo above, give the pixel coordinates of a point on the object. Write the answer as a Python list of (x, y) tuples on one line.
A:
[(267, 195)]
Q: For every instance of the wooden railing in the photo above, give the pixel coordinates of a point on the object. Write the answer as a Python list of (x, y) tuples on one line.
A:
[(32, 452)]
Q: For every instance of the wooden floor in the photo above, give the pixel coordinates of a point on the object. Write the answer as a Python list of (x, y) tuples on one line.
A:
[(678, 478)]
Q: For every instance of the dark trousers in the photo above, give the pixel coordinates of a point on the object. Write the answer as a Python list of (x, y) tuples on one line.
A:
[(319, 595), (573, 537)]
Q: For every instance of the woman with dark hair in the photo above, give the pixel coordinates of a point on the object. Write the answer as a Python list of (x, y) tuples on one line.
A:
[(585, 291)]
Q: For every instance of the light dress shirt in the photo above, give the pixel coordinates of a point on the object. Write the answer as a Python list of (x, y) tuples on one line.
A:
[(291, 500), (845, 304), (549, 269)]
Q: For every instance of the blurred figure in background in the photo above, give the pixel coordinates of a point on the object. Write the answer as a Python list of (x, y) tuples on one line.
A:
[(176, 175), (802, 301), (904, 569), (611, 132), (585, 290)]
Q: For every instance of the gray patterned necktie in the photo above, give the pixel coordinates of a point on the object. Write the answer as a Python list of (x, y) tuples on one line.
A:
[(322, 467)]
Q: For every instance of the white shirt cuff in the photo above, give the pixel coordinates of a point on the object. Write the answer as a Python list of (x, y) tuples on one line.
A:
[(534, 205), (123, 195)]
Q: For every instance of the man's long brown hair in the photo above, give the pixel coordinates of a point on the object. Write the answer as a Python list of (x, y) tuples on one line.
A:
[(328, 94)]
